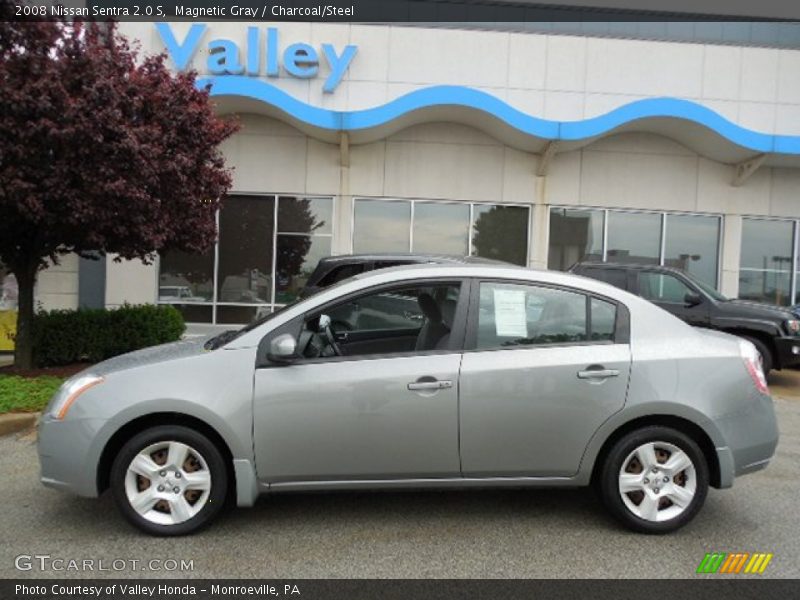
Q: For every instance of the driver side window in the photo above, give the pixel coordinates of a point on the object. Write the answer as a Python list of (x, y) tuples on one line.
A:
[(415, 318), (660, 287)]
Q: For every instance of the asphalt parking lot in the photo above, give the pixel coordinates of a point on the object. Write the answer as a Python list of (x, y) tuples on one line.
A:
[(474, 534)]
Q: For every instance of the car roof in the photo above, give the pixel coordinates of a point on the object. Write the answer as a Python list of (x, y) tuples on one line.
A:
[(404, 256), (459, 269)]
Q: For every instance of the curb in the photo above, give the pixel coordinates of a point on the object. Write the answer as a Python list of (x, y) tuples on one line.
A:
[(16, 422)]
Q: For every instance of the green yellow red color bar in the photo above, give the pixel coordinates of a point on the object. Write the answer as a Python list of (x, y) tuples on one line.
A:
[(734, 562)]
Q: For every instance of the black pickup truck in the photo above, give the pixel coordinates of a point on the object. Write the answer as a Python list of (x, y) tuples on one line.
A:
[(773, 330)]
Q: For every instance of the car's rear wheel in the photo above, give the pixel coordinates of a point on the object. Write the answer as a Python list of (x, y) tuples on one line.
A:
[(764, 352), (654, 480), (169, 480)]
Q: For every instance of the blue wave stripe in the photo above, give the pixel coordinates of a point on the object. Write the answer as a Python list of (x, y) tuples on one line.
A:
[(460, 96)]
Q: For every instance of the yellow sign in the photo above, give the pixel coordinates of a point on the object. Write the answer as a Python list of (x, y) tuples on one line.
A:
[(8, 329)]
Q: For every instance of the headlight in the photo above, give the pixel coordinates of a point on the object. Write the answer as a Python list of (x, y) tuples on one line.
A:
[(793, 326), (69, 392)]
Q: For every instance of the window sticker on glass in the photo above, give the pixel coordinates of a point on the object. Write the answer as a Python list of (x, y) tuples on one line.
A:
[(510, 317)]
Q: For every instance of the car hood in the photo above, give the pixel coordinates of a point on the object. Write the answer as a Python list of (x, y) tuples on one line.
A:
[(745, 308), (152, 355)]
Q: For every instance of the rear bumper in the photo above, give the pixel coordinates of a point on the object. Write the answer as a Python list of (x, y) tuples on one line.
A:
[(751, 437), (788, 351)]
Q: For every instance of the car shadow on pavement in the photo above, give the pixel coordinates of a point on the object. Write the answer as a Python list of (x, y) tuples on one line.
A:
[(386, 509)]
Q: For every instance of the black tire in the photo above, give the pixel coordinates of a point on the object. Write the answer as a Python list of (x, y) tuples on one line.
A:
[(767, 360), (610, 471), (200, 444)]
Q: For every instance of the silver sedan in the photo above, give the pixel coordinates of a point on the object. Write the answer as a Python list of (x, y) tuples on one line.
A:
[(422, 376)]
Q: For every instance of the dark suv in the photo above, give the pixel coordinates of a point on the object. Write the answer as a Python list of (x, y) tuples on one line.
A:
[(773, 330), (333, 269)]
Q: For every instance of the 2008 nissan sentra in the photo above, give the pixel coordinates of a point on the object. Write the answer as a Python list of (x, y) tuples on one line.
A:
[(421, 376)]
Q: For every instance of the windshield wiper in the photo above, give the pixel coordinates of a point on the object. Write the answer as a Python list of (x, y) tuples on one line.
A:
[(221, 339)]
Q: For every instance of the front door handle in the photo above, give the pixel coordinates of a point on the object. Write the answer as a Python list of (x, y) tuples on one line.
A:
[(598, 373), (417, 386)]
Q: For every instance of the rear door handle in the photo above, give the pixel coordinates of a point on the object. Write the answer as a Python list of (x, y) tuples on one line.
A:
[(598, 373), (416, 386)]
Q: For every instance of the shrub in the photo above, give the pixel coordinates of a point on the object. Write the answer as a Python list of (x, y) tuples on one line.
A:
[(62, 337)]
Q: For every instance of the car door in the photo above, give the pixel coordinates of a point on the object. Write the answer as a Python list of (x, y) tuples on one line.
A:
[(669, 292), (544, 367), (383, 410)]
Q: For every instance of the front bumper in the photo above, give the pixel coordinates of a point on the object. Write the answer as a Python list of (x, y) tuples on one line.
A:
[(68, 455), (788, 351)]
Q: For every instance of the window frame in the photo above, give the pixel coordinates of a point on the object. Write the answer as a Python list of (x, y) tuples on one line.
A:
[(295, 326), (621, 324)]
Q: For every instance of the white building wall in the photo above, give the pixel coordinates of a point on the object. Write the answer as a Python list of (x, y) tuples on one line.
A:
[(57, 286), (131, 282)]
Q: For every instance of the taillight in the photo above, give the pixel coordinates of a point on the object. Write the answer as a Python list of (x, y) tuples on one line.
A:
[(752, 361)]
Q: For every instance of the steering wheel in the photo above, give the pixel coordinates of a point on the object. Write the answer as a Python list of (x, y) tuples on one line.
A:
[(325, 327)]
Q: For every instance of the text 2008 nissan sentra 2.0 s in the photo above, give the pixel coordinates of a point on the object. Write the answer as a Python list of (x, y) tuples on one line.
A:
[(421, 376)]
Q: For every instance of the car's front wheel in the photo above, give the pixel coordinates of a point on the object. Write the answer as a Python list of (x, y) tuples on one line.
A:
[(169, 480), (654, 480)]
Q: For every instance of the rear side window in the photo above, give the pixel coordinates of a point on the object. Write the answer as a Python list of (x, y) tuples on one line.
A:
[(513, 315), (616, 277), (604, 320)]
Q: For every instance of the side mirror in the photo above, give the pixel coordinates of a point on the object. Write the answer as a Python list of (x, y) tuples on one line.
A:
[(319, 324), (283, 349), (692, 299)]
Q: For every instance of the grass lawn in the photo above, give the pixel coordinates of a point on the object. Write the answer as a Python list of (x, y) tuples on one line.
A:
[(26, 394)]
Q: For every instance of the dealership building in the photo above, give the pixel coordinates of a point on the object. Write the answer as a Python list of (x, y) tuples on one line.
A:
[(540, 144)]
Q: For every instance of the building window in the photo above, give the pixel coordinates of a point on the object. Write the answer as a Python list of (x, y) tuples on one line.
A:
[(305, 228), (266, 250), (381, 226), (692, 244), (244, 271), (688, 242), (440, 227), (633, 237), (575, 235), (500, 232), (496, 231), (765, 267)]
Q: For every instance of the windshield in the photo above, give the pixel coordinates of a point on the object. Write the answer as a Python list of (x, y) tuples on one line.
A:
[(715, 295)]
